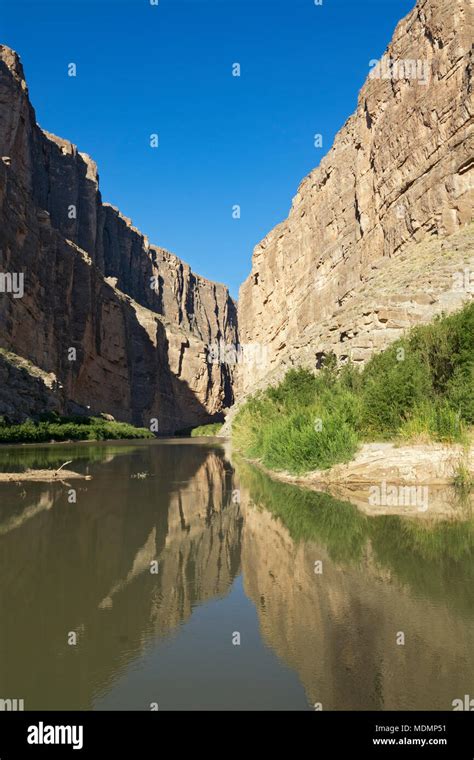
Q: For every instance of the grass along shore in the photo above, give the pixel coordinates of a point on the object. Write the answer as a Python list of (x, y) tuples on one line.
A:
[(420, 389), (206, 430), (52, 427)]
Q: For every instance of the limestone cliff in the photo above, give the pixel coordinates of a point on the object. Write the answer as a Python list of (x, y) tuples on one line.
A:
[(122, 326), (344, 272), (377, 239)]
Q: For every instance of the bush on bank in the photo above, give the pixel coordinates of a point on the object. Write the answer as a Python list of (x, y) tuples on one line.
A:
[(56, 428), (206, 430)]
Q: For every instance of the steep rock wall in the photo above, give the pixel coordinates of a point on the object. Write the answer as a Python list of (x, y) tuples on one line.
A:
[(139, 319), (400, 171)]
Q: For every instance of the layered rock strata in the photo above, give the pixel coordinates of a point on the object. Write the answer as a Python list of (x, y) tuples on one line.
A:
[(332, 276), (123, 326)]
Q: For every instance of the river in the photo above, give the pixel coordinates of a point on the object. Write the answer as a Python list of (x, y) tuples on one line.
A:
[(179, 577)]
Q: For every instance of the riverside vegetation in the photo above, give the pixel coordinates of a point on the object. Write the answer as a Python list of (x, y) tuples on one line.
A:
[(52, 427), (206, 430), (419, 389)]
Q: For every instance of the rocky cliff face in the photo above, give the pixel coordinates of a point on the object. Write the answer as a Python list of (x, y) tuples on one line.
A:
[(399, 173), (377, 239), (122, 326)]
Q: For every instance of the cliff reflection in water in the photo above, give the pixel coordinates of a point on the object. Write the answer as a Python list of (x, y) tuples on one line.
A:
[(380, 576), (85, 567)]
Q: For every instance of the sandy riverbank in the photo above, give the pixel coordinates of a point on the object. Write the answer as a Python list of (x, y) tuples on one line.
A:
[(386, 478), (42, 476)]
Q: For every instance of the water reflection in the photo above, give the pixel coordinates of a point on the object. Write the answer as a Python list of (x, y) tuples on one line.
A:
[(380, 576), (85, 567)]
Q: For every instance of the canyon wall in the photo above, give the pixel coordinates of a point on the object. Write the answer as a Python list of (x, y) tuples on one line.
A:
[(122, 326), (345, 271), (378, 239)]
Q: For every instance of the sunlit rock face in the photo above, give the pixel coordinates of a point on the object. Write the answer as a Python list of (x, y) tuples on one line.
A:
[(344, 272), (139, 320)]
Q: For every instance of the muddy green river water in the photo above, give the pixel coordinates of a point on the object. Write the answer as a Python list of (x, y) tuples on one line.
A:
[(181, 578)]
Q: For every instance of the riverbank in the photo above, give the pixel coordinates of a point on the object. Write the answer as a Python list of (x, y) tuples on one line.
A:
[(42, 476), (420, 390), (52, 428), (390, 479)]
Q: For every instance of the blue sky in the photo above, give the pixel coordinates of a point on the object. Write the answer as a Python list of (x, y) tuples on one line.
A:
[(223, 140)]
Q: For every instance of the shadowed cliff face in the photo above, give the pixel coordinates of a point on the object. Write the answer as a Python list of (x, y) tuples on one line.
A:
[(398, 174), (137, 317), (85, 567)]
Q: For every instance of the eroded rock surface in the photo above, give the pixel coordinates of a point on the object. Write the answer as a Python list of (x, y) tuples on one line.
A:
[(138, 319), (343, 272)]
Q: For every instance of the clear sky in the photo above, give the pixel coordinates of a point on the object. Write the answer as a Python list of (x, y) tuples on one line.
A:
[(223, 140)]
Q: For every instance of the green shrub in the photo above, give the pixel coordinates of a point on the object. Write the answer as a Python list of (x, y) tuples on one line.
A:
[(438, 420), (392, 387), (303, 441), (206, 430), (70, 429), (299, 432), (463, 480), (300, 388)]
